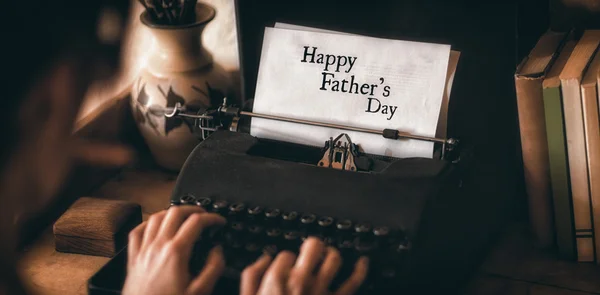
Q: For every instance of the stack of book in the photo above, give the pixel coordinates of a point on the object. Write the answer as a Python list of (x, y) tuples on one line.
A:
[(557, 100)]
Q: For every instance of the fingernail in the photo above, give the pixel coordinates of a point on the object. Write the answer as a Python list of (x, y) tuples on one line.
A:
[(364, 260), (265, 256), (218, 249), (268, 253)]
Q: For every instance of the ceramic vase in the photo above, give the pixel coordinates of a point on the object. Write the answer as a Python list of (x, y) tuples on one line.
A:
[(178, 70)]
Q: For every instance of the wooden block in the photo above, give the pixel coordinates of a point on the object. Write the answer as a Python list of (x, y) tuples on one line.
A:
[(96, 227)]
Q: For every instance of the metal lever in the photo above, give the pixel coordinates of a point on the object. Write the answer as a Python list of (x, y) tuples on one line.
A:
[(339, 153)]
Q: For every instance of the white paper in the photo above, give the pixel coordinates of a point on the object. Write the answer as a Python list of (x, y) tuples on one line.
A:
[(413, 74), (442, 126)]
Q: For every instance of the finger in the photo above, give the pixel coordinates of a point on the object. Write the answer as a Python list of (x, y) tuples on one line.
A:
[(102, 154), (135, 242), (152, 228), (331, 265), (192, 228), (279, 271), (311, 254), (174, 219), (351, 285), (205, 282), (252, 275)]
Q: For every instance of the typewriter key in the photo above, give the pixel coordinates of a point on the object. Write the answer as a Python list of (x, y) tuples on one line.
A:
[(273, 235), (174, 203), (344, 225), (187, 199), (388, 273), (325, 223), (362, 229), (344, 228), (272, 216), (308, 219), (382, 236), (204, 203), (293, 239), (387, 278), (252, 247), (255, 213), (255, 233), (381, 231), (234, 253), (237, 228), (364, 232), (220, 207), (399, 251), (363, 248), (197, 262), (304, 236), (345, 247), (308, 222), (236, 210), (253, 251), (270, 250), (289, 219), (255, 230), (328, 241), (232, 241), (403, 246), (292, 235)]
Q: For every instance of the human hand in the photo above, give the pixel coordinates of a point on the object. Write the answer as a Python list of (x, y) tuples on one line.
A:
[(290, 275), (160, 250)]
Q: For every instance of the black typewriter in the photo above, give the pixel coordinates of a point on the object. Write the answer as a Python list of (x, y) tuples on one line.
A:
[(273, 204), (405, 214)]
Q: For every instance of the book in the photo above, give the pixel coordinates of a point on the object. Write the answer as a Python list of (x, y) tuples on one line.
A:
[(595, 199), (591, 123), (528, 83), (571, 78), (557, 155)]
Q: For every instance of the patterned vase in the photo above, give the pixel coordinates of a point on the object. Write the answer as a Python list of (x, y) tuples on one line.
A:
[(178, 70)]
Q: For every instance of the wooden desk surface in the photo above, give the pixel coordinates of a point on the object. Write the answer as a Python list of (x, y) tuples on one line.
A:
[(513, 267)]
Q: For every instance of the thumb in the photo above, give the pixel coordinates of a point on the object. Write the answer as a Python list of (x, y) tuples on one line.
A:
[(205, 282)]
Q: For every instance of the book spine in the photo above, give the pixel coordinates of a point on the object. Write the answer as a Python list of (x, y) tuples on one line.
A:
[(578, 169), (559, 173), (534, 146), (592, 138)]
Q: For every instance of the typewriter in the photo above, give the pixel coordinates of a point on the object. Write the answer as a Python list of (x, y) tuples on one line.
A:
[(402, 213)]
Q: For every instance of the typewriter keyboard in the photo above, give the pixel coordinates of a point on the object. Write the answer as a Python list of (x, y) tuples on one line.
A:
[(252, 230)]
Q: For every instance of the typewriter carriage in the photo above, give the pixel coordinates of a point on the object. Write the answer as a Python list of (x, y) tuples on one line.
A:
[(339, 153)]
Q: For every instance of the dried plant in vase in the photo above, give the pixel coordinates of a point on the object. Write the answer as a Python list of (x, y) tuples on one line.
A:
[(171, 12), (180, 70)]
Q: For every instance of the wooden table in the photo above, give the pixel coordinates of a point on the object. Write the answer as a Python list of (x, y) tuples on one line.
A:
[(513, 267)]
